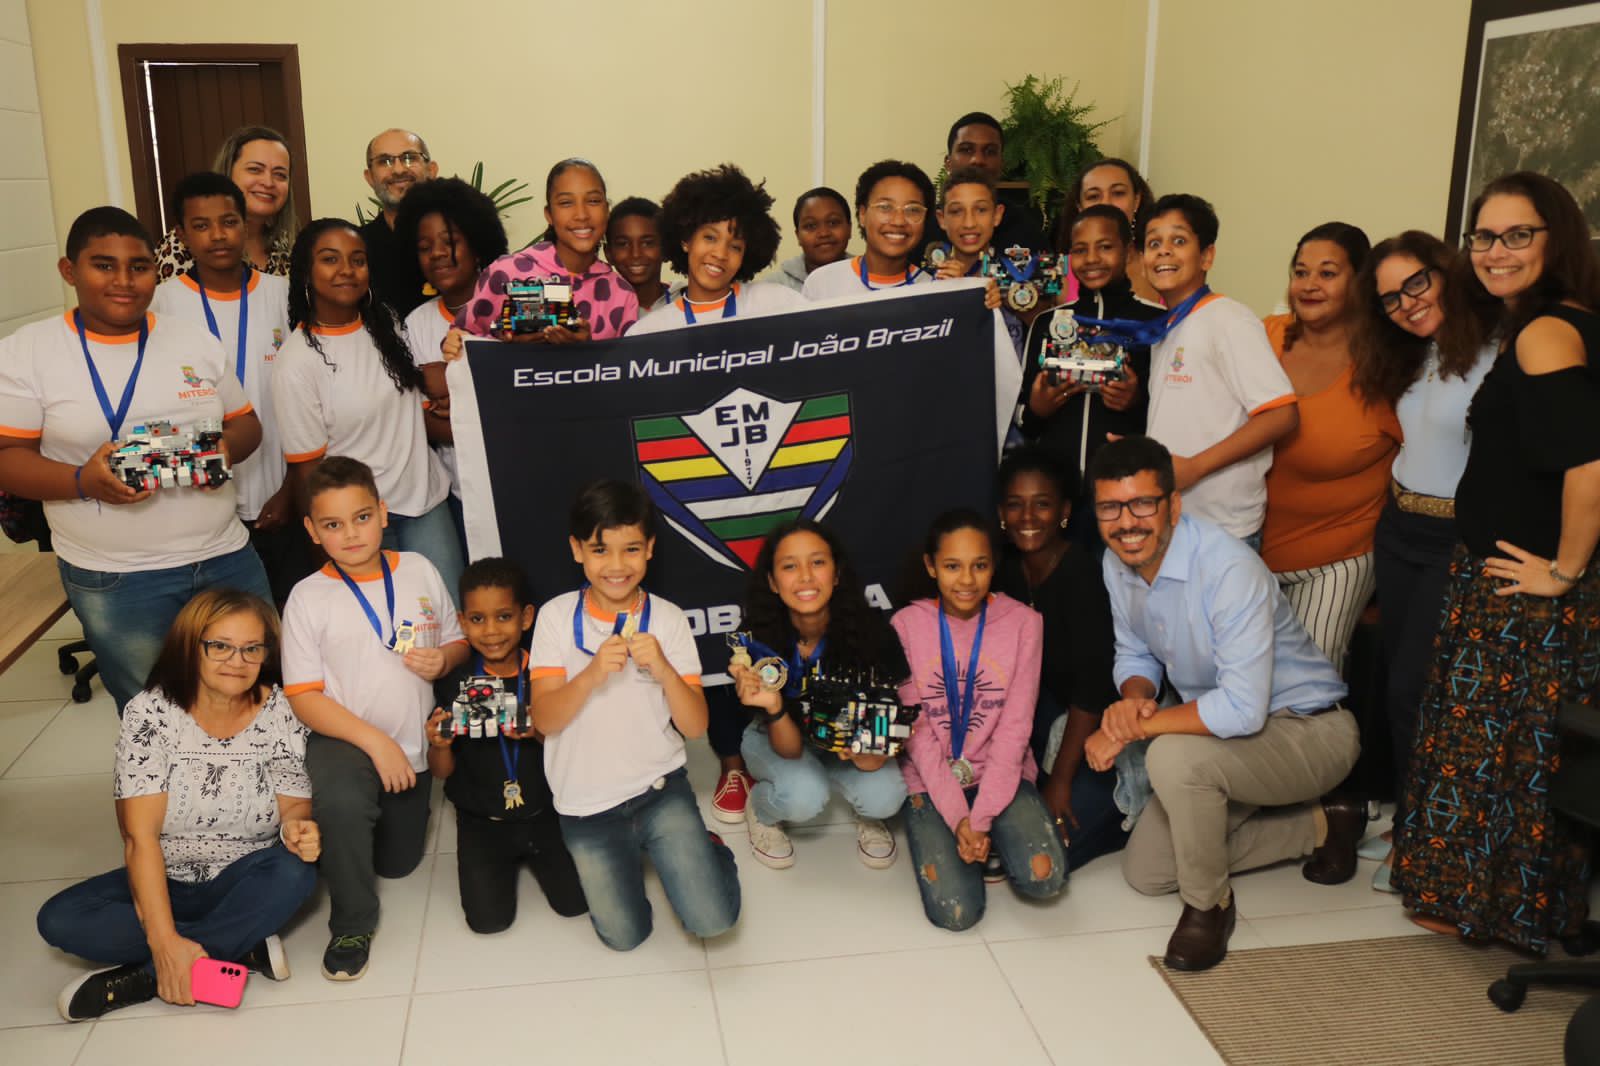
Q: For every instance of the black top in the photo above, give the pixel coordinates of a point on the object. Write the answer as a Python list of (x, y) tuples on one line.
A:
[(1528, 430), (479, 779), (396, 273), (1074, 433), (1079, 641)]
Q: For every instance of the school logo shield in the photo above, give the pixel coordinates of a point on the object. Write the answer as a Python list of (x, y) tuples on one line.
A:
[(725, 476), (190, 378)]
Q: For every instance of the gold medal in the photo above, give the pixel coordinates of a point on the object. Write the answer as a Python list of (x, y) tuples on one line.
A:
[(741, 653), (512, 791), (774, 673)]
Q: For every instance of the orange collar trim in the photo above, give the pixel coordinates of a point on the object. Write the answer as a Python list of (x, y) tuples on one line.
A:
[(106, 338), (377, 575), (222, 297), (337, 331)]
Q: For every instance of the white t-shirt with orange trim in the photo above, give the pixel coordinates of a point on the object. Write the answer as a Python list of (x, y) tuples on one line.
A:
[(1207, 378), (623, 739), (844, 279), (750, 300), (329, 646), (426, 327), (261, 475), (46, 394), (341, 401)]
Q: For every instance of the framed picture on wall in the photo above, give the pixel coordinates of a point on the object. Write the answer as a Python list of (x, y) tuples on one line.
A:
[(1528, 97)]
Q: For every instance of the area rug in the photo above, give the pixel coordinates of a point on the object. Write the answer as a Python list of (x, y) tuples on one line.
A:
[(1412, 999)]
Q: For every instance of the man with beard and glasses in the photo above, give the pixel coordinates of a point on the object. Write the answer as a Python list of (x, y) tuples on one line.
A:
[(397, 161), (1236, 767)]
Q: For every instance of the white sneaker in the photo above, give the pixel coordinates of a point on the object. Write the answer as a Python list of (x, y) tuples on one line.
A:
[(875, 844), (770, 843)]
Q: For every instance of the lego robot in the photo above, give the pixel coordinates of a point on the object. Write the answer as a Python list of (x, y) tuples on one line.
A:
[(534, 303), (1026, 279), (486, 707), (159, 455), (1072, 356), (853, 715)]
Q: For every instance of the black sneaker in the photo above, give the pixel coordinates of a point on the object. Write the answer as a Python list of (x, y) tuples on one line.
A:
[(994, 870), (268, 959), (346, 957), (103, 991)]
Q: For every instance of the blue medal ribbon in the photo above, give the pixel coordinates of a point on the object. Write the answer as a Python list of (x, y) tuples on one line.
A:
[(114, 418), (510, 753), (799, 666), (617, 626), (730, 307), (1018, 276), (244, 318), (388, 595), (911, 272), (960, 705), (1131, 334)]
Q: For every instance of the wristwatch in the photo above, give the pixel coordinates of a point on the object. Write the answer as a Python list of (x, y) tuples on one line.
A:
[(1567, 579)]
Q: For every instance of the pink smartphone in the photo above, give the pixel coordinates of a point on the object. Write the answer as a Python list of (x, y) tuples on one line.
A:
[(217, 982)]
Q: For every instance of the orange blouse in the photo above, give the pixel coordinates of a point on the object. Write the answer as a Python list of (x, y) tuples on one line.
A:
[(1329, 477)]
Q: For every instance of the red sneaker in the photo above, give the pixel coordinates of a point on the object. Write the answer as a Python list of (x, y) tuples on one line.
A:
[(733, 791)]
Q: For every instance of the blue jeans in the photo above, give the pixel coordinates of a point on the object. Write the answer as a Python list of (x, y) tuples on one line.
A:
[(126, 616), (698, 872), (796, 790), (1099, 823), (953, 895), (233, 912), (433, 536)]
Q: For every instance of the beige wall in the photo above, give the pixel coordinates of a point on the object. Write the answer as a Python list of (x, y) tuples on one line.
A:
[(739, 86), (1288, 113), (27, 238)]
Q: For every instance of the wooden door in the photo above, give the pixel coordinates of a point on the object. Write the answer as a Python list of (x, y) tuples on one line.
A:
[(182, 101)]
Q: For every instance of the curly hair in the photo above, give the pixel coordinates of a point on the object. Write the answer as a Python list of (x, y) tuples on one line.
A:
[(857, 634), (465, 210), (377, 317), (723, 194), (1352, 239), (1387, 359), (1070, 208), (894, 168)]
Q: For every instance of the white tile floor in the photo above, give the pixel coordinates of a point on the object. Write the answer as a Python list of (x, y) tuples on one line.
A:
[(830, 961)]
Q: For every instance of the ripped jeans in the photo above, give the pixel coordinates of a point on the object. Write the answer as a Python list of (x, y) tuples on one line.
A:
[(1024, 836)]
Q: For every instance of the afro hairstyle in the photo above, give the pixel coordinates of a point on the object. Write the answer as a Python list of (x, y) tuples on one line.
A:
[(465, 209), (720, 195)]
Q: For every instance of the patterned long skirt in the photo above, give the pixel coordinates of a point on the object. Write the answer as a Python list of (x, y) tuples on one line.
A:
[(1481, 846)]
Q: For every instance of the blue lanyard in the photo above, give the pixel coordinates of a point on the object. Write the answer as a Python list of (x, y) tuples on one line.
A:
[(1014, 273), (960, 706), (1132, 334), (730, 307), (115, 418), (510, 754), (388, 595), (616, 627), (244, 317), (800, 667), (911, 272)]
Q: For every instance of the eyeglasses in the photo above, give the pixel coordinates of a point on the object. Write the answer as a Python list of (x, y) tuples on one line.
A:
[(1414, 286), (404, 159), (220, 651), (1139, 507), (887, 209), (1515, 238)]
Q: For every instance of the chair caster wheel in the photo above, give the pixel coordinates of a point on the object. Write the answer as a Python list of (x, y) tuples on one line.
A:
[(81, 692), (1507, 995), (66, 662)]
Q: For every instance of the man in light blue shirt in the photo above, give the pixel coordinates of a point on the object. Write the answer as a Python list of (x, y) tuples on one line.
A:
[(1237, 767)]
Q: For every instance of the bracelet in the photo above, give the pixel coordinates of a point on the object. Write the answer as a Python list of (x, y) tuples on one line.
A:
[(77, 482), (1567, 579)]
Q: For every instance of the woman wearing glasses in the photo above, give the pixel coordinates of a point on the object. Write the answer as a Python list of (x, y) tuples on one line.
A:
[(893, 200), (258, 161), (1403, 299), (214, 806), (1481, 853)]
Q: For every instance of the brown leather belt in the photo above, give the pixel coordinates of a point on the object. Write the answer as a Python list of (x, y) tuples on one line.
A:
[(1417, 503)]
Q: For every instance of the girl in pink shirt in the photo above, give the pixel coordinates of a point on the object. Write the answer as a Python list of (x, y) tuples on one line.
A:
[(974, 661), (576, 210)]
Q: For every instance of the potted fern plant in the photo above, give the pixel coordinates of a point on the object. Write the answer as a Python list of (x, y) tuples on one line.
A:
[(1048, 140)]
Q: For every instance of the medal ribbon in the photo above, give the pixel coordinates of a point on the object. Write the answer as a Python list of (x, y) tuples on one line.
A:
[(114, 418), (961, 704), (1132, 334), (911, 272), (388, 595), (1013, 273), (730, 306), (510, 754), (617, 626), (800, 667), (244, 318)]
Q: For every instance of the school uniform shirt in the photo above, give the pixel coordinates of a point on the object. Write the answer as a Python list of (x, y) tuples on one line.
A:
[(46, 394), (1208, 377), (623, 738), (844, 279), (267, 295), (750, 300), (601, 296), (341, 401), (477, 785), (425, 331), (329, 645)]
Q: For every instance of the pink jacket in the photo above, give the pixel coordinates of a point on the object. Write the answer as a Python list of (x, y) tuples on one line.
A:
[(607, 302), (1002, 720)]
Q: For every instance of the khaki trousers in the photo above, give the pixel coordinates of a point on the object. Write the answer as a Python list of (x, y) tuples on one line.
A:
[(1225, 806)]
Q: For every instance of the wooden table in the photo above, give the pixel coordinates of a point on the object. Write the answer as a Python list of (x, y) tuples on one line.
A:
[(31, 599)]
